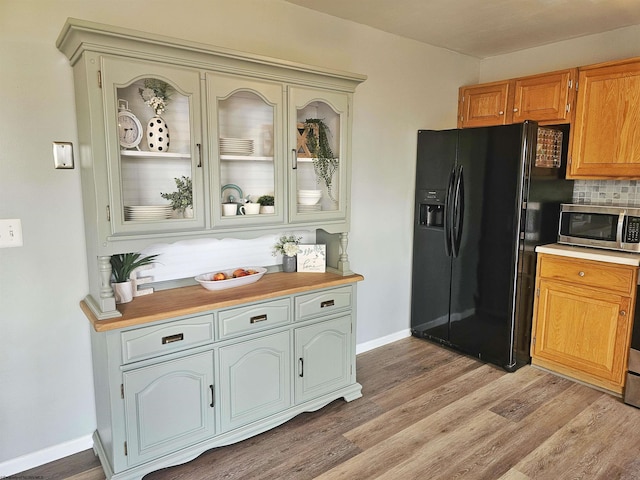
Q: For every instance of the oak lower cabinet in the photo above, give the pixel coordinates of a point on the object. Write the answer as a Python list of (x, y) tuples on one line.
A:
[(606, 140), (583, 315), (220, 368)]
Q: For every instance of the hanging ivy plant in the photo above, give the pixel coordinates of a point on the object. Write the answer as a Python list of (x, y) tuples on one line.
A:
[(324, 162)]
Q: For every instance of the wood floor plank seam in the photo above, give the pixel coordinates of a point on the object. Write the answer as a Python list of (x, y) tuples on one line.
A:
[(431, 414)]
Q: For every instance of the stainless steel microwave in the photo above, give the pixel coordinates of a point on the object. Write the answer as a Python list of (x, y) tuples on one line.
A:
[(612, 227)]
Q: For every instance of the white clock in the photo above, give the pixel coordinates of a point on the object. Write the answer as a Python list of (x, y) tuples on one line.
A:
[(129, 127)]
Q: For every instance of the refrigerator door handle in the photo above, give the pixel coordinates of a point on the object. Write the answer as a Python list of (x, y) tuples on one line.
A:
[(448, 213), (458, 217)]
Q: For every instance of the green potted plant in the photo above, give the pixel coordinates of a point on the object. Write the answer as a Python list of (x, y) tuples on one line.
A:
[(182, 199), (267, 204), (122, 266), (324, 162)]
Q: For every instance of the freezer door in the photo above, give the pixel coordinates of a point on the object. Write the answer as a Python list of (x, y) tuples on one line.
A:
[(431, 262), (482, 281)]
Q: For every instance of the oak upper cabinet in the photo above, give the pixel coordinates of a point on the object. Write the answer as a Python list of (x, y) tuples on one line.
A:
[(485, 105), (545, 98), (583, 315), (606, 140)]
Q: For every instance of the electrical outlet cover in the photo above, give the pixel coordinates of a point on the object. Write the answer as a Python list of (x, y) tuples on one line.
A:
[(63, 154)]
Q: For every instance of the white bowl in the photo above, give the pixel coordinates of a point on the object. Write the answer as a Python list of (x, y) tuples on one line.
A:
[(309, 197), (206, 279), (308, 200), (309, 193)]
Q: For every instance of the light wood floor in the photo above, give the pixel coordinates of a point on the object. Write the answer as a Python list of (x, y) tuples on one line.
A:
[(427, 413)]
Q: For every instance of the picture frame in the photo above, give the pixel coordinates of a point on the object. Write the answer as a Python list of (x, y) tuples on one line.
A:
[(312, 258)]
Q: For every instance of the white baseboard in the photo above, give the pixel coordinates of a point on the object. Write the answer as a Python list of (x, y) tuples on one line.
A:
[(378, 342), (35, 459)]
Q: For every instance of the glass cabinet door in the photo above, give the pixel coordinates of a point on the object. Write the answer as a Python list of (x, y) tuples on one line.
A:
[(245, 138), (318, 170), (154, 147)]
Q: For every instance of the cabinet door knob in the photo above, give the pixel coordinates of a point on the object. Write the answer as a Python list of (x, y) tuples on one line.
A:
[(622, 313), (501, 112), (515, 109), (581, 274)]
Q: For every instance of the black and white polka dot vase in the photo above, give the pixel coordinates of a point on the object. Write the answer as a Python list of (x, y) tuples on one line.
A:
[(157, 135)]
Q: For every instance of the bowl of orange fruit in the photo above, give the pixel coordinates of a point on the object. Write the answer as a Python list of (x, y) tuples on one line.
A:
[(231, 278)]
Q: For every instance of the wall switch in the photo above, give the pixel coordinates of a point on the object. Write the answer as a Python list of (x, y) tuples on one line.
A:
[(62, 154), (10, 233)]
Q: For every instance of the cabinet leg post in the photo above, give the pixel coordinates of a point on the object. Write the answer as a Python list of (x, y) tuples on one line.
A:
[(105, 306), (104, 265), (343, 259)]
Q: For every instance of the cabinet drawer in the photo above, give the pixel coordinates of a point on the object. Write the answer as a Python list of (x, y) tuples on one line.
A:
[(254, 318), (618, 278), (156, 340), (323, 303)]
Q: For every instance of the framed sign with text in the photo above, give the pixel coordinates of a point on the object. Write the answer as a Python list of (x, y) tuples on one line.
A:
[(312, 258)]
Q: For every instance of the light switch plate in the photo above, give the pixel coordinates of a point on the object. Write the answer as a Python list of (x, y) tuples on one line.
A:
[(10, 232), (63, 154)]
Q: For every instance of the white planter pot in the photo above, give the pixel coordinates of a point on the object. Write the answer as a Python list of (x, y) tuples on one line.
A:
[(267, 209), (123, 292)]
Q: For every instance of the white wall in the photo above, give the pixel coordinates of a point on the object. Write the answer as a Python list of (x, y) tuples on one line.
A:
[(614, 45), (45, 360)]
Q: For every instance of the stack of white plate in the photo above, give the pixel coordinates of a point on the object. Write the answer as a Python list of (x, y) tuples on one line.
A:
[(309, 208), (147, 212), (236, 146), (309, 197)]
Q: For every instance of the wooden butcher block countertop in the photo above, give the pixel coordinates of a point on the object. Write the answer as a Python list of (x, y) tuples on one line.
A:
[(195, 299)]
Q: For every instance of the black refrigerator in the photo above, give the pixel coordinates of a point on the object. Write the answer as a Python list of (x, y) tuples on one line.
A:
[(485, 198)]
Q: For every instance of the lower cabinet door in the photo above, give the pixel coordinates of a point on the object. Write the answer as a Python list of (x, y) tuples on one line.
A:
[(168, 406), (255, 379), (586, 330), (323, 353)]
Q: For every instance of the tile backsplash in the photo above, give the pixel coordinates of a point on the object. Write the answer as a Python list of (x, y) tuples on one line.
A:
[(607, 192)]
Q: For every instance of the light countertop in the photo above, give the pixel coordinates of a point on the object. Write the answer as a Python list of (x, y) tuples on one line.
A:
[(590, 253)]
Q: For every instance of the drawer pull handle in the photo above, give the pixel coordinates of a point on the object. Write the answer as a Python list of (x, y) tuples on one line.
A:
[(173, 338), (212, 397), (258, 318), (300, 367), (327, 303), (581, 274)]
